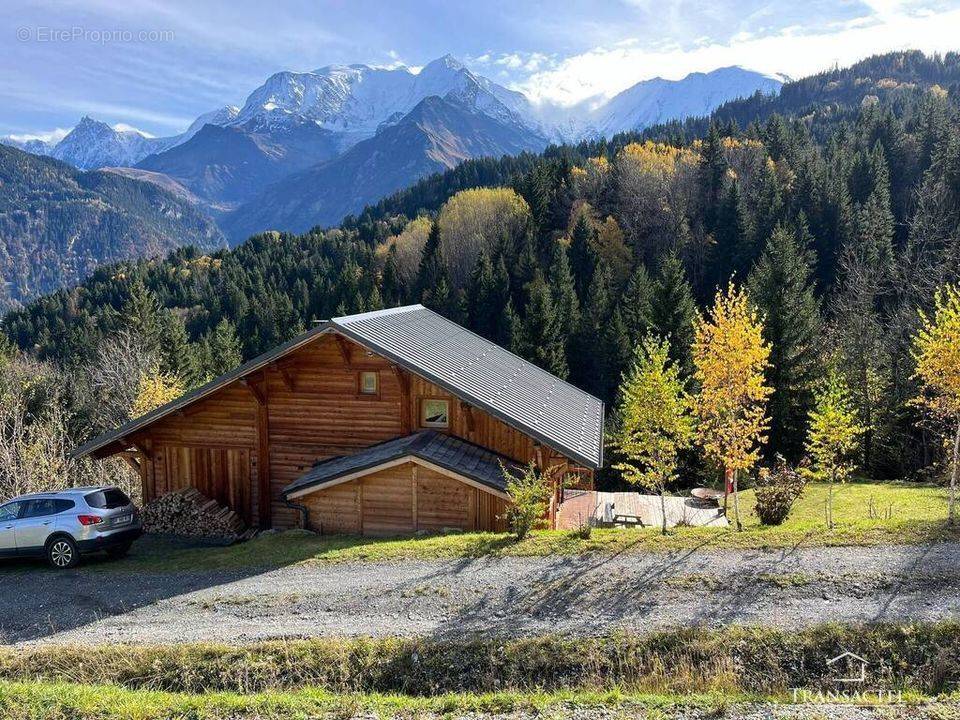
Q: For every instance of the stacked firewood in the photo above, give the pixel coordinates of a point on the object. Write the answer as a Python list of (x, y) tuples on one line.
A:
[(188, 512)]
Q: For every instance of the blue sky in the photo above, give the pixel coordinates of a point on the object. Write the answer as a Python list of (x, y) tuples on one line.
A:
[(157, 64)]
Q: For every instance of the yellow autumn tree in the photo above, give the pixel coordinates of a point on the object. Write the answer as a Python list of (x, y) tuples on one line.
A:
[(153, 390), (833, 435), (936, 350), (475, 220), (730, 357), (409, 244), (654, 421)]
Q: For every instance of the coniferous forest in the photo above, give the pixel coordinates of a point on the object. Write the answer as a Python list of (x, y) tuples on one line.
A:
[(835, 205)]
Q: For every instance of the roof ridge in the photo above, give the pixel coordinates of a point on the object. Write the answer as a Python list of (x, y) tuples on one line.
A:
[(378, 313)]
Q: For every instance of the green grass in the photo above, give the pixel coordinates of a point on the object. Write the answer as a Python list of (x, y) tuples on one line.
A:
[(917, 514), (70, 701)]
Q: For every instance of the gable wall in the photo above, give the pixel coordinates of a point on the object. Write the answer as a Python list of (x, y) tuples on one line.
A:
[(313, 410)]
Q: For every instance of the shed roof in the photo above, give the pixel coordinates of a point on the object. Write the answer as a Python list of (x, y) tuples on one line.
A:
[(446, 451), (474, 369)]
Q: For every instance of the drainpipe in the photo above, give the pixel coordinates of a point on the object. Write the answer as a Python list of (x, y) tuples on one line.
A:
[(303, 510)]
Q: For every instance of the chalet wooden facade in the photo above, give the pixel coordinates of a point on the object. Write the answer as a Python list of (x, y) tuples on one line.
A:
[(379, 423)]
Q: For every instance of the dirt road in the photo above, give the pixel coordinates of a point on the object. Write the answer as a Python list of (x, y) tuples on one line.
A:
[(588, 594)]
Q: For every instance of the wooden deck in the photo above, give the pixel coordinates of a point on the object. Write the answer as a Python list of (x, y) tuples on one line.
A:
[(579, 505)]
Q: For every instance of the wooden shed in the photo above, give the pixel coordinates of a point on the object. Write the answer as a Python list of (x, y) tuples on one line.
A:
[(379, 423)]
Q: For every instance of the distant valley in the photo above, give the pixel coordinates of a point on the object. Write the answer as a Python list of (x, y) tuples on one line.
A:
[(308, 148)]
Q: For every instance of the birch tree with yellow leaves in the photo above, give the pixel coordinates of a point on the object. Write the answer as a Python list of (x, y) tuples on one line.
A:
[(936, 350), (730, 357)]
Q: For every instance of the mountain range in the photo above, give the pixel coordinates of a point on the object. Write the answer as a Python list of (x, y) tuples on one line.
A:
[(330, 141), (58, 223)]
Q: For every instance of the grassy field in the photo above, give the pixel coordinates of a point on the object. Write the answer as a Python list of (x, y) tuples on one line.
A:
[(865, 513), (690, 672), (68, 701)]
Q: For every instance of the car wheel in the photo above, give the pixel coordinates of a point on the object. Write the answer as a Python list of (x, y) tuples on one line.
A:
[(115, 553), (62, 553)]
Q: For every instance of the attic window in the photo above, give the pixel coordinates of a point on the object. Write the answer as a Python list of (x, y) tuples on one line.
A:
[(435, 413), (369, 383)]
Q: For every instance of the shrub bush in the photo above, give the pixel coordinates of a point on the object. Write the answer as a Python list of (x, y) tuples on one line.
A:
[(529, 494), (776, 492)]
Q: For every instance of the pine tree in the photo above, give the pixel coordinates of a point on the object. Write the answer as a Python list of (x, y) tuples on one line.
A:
[(543, 342), (713, 169), (222, 349), (636, 304), (672, 312), (768, 211), (178, 356), (781, 285), (391, 282), (433, 286), (564, 292), (860, 309), (510, 334), (589, 359), (616, 353), (140, 314), (482, 315), (374, 299), (583, 258), (733, 251)]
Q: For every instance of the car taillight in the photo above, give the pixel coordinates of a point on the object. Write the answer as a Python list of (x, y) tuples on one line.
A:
[(89, 519)]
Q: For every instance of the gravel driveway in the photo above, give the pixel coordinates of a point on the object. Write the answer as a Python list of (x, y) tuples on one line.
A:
[(587, 594)]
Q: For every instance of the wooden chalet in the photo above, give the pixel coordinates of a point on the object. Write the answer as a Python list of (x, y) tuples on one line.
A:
[(379, 423)]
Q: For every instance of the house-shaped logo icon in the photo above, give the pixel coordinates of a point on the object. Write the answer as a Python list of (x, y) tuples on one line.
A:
[(852, 665)]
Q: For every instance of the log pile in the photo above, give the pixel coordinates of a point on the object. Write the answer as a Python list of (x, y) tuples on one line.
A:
[(188, 512)]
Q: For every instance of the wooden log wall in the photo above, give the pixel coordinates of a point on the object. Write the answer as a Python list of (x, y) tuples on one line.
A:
[(402, 499), (305, 407)]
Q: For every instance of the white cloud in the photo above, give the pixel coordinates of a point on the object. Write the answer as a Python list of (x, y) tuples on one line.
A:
[(605, 71), (50, 136), (123, 127)]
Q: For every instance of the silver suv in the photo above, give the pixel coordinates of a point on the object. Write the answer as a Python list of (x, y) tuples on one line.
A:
[(63, 525)]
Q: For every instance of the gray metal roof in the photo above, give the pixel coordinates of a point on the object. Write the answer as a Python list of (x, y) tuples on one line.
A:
[(480, 372), (484, 374), (447, 451)]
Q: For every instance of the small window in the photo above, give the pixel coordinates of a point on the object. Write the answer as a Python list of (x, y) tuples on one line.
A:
[(10, 511), (370, 383), (435, 413)]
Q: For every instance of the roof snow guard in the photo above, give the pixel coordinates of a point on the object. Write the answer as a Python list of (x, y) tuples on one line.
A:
[(508, 387)]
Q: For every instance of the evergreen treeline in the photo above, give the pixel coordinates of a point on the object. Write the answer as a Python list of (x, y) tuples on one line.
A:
[(840, 223)]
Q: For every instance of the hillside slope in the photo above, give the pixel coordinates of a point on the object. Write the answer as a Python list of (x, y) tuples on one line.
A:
[(436, 135), (58, 223), (224, 166)]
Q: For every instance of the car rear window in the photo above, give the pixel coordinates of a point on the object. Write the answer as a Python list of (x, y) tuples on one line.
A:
[(107, 499)]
